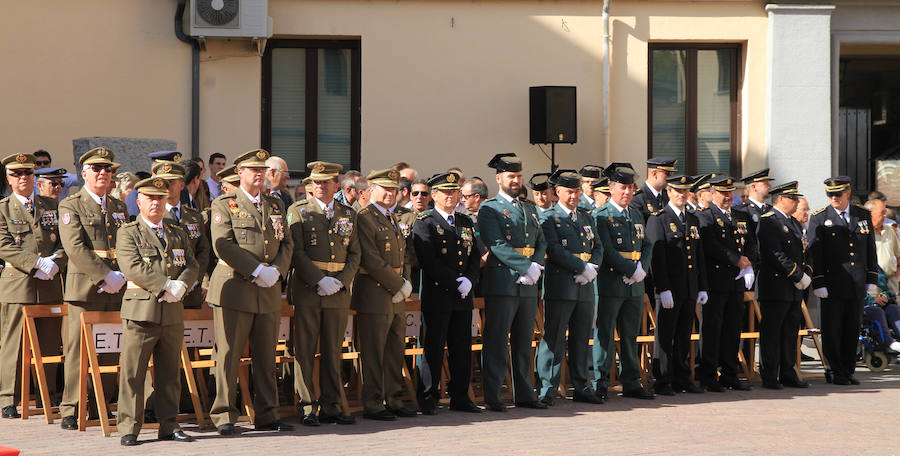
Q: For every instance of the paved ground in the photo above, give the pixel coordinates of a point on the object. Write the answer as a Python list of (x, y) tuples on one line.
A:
[(824, 419)]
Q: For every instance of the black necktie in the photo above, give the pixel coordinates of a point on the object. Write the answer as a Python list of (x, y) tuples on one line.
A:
[(159, 233), (450, 219), (681, 217), (627, 215), (175, 213)]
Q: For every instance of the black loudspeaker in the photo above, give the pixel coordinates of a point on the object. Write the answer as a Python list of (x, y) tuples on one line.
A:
[(552, 115)]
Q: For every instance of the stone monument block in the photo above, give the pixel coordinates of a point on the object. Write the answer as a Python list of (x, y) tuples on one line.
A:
[(130, 152)]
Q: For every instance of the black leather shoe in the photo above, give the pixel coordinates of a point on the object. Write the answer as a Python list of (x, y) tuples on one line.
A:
[(587, 395), (178, 436), (10, 412), (663, 390), (713, 386), (428, 405), (768, 384), (840, 380), (225, 429), (532, 405), (128, 440), (853, 380), (69, 423), (381, 415), (495, 406), (339, 419), (602, 393), (639, 393), (690, 387), (465, 405), (310, 420), (276, 425), (795, 384), (404, 412), (547, 400), (735, 384)]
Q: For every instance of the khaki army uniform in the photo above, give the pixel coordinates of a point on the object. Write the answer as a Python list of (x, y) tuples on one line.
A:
[(191, 220), (24, 238), (152, 326), (243, 238), (381, 324), (88, 233), (322, 247)]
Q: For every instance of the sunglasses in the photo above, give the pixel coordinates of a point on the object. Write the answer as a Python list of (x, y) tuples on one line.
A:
[(97, 168), (464, 196), (53, 184), (21, 172), (423, 193), (42, 162)]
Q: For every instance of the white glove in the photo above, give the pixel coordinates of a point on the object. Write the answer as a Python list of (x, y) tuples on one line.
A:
[(580, 279), (871, 288), (665, 298), (804, 282), (38, 274), (196, 282), (525, 280), (590, 271), (465, 286), (406, 288), (748, 280), (267, 277), (639, 273), (534, 272), (702, 297), (329, 286), (176, 288), (628, 280), (398, 297), (169, 297), (113, 282), (47, 266), (821, 293)]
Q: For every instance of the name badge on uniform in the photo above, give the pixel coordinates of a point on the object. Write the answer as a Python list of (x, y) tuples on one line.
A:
[(828, 222), (178, 257), (639, 230), (277, 226)]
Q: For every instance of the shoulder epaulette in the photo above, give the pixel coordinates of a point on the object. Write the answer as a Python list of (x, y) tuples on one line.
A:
[(344, 205), (581, 209), (131, 223), (701, 209), (819, 210), (655, 213), (768, 214), (365, 210), (423, 214)]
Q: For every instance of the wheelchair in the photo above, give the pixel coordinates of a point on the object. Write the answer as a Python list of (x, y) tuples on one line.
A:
[(873, 347)]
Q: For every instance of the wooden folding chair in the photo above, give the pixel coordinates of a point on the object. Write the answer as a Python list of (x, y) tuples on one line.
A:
[(33, 359)]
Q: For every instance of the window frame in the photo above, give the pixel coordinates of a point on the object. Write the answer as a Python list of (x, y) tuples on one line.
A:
[(312, 47), (690, 152)]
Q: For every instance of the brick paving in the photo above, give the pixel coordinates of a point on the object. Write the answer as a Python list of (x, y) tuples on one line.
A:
[(824, 419)]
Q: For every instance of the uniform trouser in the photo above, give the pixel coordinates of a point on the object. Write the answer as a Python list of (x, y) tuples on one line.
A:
[(508, 328), (721, 336), (673, 343), (887, 317), (624, 313), (233, 329), (11, 323), (72, 352), (841, 319), (323, 329), (453, 328), (140, 340), (382, 341), (560, 315), (778, 329)]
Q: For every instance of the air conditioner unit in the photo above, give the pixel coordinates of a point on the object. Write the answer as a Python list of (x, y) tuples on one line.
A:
[(231, 19)]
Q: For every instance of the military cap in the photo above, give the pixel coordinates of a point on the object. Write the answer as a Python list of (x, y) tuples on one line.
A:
[(323, 171), (837, 184), (168, 170), (567, 178), (165, 155), (701, 182), (540, 182), (722, 183), (789, 189), (506, 163), (228, 174), (19, 161), (681, 182), (757, 176), (663, 163), (591, 171), (153, 186), (49, 173), (387, 178), (97, 156), (622, 173), (601, 185), (444, 181), (255, 158)]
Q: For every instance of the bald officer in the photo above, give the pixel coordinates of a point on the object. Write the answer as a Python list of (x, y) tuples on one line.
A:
[(191, 220), (88, 223), (30, 246), (325, 260), (379, 296), (157, 258), (254, 246)]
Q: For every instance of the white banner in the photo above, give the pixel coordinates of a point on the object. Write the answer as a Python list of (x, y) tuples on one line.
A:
[(197, 333)]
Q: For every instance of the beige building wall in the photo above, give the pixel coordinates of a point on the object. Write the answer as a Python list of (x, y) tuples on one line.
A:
[(443, 83)]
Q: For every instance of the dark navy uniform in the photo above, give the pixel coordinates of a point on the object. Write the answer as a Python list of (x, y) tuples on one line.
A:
[(447, 252), (843, 260), (678, 268), (782, 277)]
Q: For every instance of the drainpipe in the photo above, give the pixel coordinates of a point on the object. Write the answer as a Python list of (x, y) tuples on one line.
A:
[(195, 77), (605, 49)]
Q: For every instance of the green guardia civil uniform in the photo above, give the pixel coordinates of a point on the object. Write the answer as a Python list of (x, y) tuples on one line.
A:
[(152, 326)]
